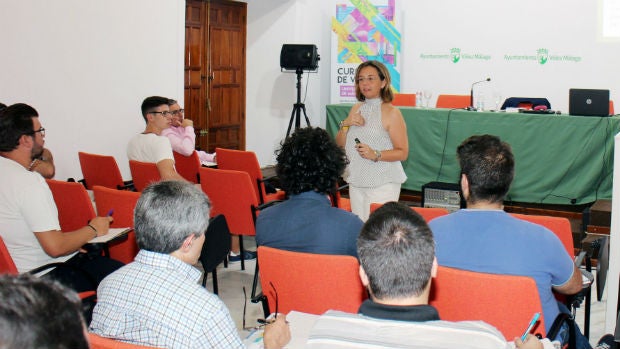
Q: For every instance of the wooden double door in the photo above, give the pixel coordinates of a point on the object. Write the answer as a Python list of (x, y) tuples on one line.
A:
[(215, 56)]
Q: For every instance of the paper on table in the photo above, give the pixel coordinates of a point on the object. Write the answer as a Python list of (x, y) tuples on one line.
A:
[(112, 234), (300, 325)]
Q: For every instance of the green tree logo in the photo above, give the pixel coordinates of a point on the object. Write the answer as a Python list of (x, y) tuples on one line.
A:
[(542, 55), (456, 54)]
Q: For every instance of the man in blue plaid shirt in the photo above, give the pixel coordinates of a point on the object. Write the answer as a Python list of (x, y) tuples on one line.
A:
[(156, 300)]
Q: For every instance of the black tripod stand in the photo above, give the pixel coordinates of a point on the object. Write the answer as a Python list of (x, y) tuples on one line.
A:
[(297, 107)]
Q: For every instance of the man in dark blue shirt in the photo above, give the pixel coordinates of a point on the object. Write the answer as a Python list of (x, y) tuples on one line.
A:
[(309, 165)]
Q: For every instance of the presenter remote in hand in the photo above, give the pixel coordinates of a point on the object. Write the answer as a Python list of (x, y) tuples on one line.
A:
[(375, 170)]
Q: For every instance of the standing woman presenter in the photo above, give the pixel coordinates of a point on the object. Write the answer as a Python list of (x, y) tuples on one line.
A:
[(374, 136)]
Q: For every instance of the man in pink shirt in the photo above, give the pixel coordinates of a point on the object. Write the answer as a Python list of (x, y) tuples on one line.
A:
[(181, 134)]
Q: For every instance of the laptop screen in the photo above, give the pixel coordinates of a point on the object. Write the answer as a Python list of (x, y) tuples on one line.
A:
[(588, 102)]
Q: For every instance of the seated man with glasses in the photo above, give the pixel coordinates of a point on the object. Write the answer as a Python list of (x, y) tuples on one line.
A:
[(181, 134), (29, 222), (150, 146), (156, 300), (42, 162)]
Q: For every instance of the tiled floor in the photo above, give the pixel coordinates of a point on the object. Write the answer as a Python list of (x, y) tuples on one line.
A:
[(231, 281)]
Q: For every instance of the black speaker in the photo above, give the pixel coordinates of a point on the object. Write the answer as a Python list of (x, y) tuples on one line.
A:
[(293, 57)]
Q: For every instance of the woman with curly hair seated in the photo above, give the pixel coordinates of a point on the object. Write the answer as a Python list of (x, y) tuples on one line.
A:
[(309, 165)]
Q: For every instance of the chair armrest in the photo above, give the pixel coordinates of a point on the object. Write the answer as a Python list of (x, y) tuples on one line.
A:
[(127, 185), (554, 330), (346, 185), (269, 204), (45, 267), (580, 258)]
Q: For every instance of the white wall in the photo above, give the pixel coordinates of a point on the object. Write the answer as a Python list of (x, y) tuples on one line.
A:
[(86, 66), (272, 93)]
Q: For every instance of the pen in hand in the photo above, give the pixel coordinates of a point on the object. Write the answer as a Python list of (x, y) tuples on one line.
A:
[(110, 212), (530, 326)]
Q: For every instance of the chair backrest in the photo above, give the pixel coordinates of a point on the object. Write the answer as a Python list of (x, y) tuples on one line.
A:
[(7, 266), (143, 174), (187, 166), (611, 108), (123, 203), (308, 282), (217, 243), (428, 213), (100, 170), (241, 160), (560, 226), (453, 101), (74, 206), (98, 342), (404, 99), (232, 194), (507, 302)]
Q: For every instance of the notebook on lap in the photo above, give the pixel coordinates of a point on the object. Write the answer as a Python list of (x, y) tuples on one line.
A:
[(588, 102)]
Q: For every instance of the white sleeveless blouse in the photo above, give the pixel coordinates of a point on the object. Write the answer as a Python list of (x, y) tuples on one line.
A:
[(365, 173)]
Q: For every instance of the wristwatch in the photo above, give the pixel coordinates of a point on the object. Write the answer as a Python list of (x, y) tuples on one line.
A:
[(343, 127), (377, 155)]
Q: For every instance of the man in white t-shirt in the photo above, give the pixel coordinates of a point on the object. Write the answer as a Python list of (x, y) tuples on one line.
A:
[(150, 145), (28, 215)]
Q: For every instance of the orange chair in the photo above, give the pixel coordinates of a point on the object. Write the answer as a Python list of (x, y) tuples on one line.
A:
[(74, 206), (101, 170), (143, 174), (611, 108), (404, 99), (453, 101), (123, 203), (504, 301), (308, 282), (7, 266), (240, 160), (187, 166), (98, 342), (428, 213), (560, 226), (232, 194), (338, 201)]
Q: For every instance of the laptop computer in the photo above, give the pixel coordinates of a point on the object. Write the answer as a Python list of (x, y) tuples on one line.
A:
[(588, 102)]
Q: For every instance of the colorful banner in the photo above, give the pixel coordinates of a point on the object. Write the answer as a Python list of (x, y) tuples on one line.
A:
[(363, 30)]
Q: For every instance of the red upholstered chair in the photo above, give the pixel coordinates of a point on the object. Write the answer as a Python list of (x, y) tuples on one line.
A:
[(404, 99), (240, 160), (232, 194), (308, 282), (560, 226), (74, 206), (611, 108), (507, 302), (453, 101), (123, 203), (101, 170), (428, 213), (7, 266), (143, 174), (187, 166), (98, 342)]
